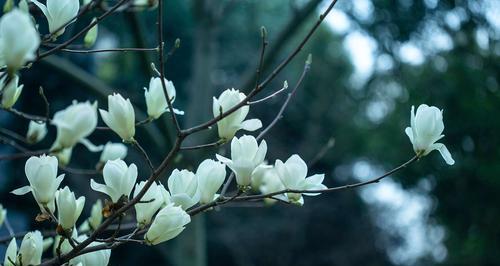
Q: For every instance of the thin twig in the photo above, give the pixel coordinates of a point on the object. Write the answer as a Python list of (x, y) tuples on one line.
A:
[(201, 146), (144, 154), (109, 50)]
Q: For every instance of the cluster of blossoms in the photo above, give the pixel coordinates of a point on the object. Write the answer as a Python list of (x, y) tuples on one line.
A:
[(161, 212)]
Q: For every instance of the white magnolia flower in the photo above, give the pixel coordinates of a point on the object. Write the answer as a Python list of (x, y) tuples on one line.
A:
[(91, 35), (293, 176), (119, 180), (156, 101), (96, 258), (30, 252), (68, 207), (3, 214), (58, 13), (19, 40), (271, 183), (95, 218), (153, 200), (113, 151), (11, 253), (258, 175), (42, 176), (246, 156), (165, 195), (230, 124), (426, 128), (36, 132), (74, 123), (211, 175), (183, 187), (120, 116), (11, 91), (168, 223)]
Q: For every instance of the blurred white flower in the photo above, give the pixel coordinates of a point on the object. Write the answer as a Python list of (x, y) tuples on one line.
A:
[(230, 124), (183, 187), (30, 252), (11, 253), (211, 175), (42, 176), (113, 151), (119, 180), (168, 223), (96, 258), (120, 116), (293, 174), (426, 128), (36, 132), (19, 40), (74, 123), (271, 183), (246, 156), (150, 203), (68, 207), (58, 13), (64, 156), (156, 101), (10, 92)]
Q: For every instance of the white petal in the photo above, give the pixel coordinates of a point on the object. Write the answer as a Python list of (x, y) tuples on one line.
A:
[(444, 152), (21, 190), (251, 124)]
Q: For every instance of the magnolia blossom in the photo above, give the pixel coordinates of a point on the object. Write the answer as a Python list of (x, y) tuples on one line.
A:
[(119, 180), (165, 195), (58, 13), (293, 174), (68, 207), (120, 116), (113, 151), (3, 214), (153, 200), (246, 156), (95, 218), (36, 132), (230, 124), (91, 35), (168, 223), (426, 128), (47, 243), (11, 253), (271, 183), (183, 187), (96, 258), (42, 176), (30, 252), (258, 175), (211, 175), (156, 101), (11, 92), (74, 123), (19, 40)]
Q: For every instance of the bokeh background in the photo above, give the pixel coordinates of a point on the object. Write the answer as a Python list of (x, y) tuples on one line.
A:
[(372, 60)]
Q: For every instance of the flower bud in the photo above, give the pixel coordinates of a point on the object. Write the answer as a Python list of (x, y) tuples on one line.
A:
[(113, 151), (68, 207), (30, 252), (230, 124), (95, 218), (426, 128), (74, 123), (246, 156), (58, 13), (42, 176), (36, 132), (64, 156), (91, 35), (119, 180), (150, 203), (156, 101), (211, 175), (168, 223), (19, 40), (11, 92), (120, 116), (183, 187), (11, 253)]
